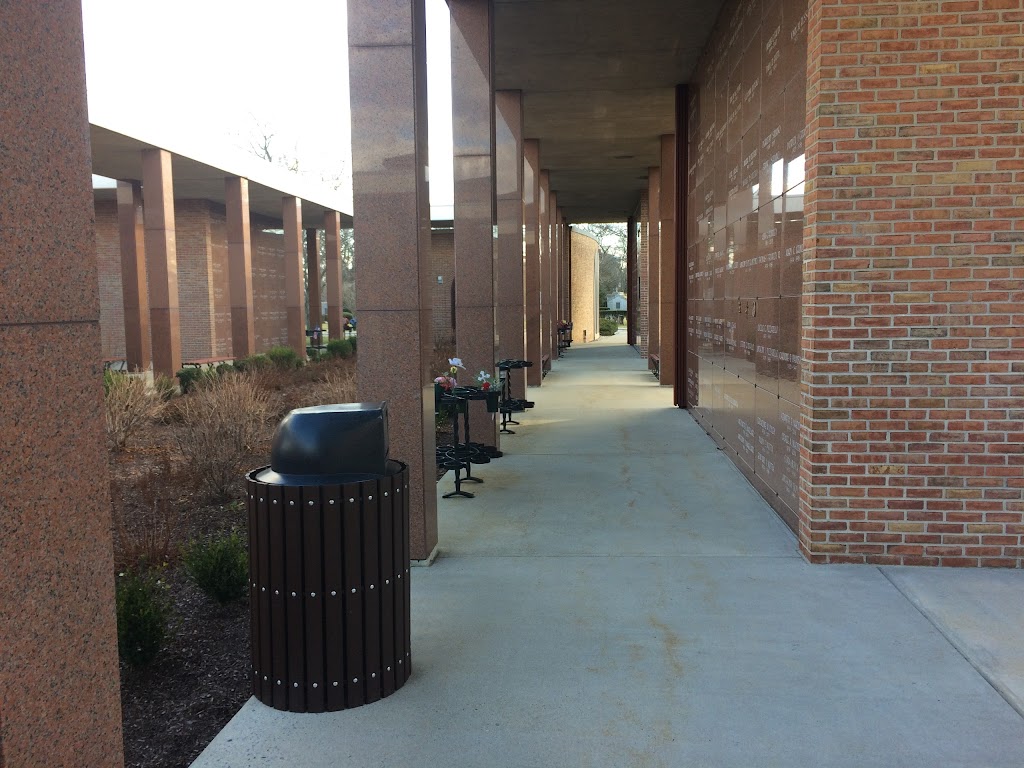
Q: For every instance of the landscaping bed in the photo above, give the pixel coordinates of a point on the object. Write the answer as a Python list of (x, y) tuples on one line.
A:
[(173, 706)]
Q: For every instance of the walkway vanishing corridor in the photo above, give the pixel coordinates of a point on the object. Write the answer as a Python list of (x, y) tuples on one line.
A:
[(618, 595)]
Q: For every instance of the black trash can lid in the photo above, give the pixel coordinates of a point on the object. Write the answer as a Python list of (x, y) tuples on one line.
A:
[(344, 442)]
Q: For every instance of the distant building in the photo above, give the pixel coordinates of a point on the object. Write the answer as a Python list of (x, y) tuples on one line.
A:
[(617, 301)]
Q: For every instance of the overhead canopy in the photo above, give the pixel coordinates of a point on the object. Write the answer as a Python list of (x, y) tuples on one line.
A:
[(598, 79), (118, 156)]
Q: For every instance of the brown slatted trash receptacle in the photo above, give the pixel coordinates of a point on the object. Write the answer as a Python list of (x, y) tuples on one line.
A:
[(329, 562)]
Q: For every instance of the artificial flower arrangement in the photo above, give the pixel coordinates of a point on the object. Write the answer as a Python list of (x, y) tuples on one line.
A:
[(447, 380), (483, 380)]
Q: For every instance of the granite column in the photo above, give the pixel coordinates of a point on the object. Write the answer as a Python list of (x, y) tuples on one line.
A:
[(387, 70), (135, 296), (335, 283), (161, 261), (669, 258), (58, 634), (532, 255), (473, 146), (313, 277), (653, 264), (295, 299), (243, 316), (509, 249)]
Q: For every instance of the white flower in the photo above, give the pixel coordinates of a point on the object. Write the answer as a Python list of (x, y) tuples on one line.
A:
[(483, 375), (456, 362)]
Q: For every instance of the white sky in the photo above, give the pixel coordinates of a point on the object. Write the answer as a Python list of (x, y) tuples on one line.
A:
[(205, 74)]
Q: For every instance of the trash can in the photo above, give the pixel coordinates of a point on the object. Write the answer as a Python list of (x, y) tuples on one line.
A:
[(329, 562)]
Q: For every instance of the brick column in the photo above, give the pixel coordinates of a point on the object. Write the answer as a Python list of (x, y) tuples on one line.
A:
[(546, 307), (653, 263), (161, 261), (58, 641), (387, 68), (332, 244), (511, 275), (669, 259), (531, 217), (631, 281), (243, 316), (913, 328), (473, 134), (313, 277), (295, 295), (137, 341), (556, 299)]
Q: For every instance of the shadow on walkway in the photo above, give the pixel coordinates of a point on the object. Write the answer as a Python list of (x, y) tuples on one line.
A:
[(618, 595)]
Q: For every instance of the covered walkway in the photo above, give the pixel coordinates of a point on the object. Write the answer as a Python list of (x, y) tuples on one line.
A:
[(618, 595)]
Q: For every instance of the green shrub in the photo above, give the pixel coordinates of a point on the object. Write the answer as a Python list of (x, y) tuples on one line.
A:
[(191, 378), (219, 566), (224, 368), (252, 363), (352, 341), (339, 348), (609, 326), (284, 358), (143, 611)]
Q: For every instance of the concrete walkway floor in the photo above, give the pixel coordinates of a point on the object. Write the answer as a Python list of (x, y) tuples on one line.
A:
[(618, 595)]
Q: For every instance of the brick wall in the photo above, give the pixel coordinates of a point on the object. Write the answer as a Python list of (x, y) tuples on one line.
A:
[(914, 284), (584, 299), (108, 252), (442, 262), (219, 273), (642, 307), (204, 294), (195, 275), (268, 283)]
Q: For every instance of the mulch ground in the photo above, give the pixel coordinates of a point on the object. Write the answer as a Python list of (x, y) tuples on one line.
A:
[(174, 708)]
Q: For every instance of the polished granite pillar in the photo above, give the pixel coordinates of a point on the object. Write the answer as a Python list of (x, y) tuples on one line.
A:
[(473, 149), (243, 315), (631, 291), (161, 260), (544, 214), (332, 246), (387, 71), (59, 700), (667, 280), (531, 250), (294, 285), (653, 264), (556, 309), (511, 278), (137, 341), (313, 277)]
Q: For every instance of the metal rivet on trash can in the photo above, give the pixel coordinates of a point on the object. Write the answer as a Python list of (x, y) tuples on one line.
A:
[(334, 593), (315, 685), (295, 685), (353, 590), (355, 679), (331, 502)]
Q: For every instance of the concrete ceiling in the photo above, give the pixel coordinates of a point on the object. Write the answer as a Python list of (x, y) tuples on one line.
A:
[(598, 79), (118, 156)]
